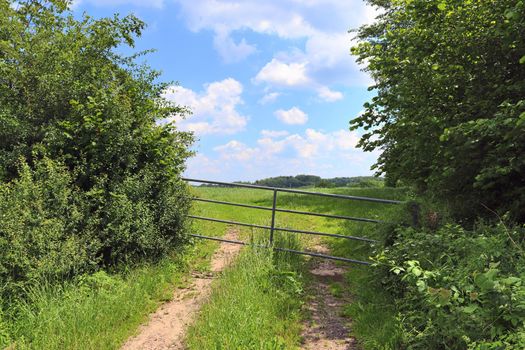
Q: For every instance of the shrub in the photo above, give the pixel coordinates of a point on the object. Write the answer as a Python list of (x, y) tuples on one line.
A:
[(458, 289), (39, 228), (448, 113), (89, 162)]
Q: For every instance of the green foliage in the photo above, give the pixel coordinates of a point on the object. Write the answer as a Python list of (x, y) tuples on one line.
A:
[(40, 215), (324, 184), (89, 167), (289, 181), (449, 110), (367, 183), (458, 289), (312, 180)]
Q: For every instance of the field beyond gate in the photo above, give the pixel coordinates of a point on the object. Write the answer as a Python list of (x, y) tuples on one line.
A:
[(240, 313), (276, 208)]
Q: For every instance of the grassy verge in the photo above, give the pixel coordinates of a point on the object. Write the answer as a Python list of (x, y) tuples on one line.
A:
[(98, 311), (255, 304)]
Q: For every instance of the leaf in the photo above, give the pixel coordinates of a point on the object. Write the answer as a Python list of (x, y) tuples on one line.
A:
[(522, 60), (470, 309), (442, 6), (444, 295), (396, 270), (421, 286), (521, 119), (511, 280)]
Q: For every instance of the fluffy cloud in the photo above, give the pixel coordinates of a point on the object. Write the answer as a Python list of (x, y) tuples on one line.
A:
[(269, 98), (319, 58), (308, 145), (279, 73), (230, 51), (293, 116), (274, 133), (214, 109), (329, 95), (326, 154), (236, 150)]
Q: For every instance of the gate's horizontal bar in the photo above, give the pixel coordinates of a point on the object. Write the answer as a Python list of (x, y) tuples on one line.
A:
[(328, 215), (289, 211), (231, 203), (318, 255), (326, 234), (282, 229), (332, 195), (229, 222)]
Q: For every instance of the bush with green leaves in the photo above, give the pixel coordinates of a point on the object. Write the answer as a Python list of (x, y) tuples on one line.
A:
[(458, 289), (89, 164), (449, 110)]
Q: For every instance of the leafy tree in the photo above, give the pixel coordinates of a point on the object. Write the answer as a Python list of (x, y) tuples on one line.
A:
[(449, 114), (68, 101)]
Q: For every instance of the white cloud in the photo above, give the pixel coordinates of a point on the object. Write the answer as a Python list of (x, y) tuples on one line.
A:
[(111, 3), (279, 73), (308, 145), (293, 116), (274, 133), (326, 154), (236, 150), (200, 164), (269, 98), (214, 110), (321, 26), (230, 51), (329, 95)]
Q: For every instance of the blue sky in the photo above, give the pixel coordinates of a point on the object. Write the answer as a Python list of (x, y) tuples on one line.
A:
[(271, 84)]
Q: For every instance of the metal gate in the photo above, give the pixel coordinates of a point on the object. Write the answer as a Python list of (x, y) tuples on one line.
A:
[(274, 209)]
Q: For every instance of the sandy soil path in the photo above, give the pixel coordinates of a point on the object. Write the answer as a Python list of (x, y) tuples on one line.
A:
[(326, 329), (167, 326)]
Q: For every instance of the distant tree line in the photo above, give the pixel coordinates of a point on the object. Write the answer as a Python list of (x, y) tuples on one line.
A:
[(317, 181), (311, 181)]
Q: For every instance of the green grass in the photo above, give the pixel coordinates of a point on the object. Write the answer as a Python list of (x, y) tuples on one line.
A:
[(99, 311), (254, 305)]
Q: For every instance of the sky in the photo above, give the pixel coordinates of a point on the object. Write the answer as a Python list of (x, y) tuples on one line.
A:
[(271, 84)]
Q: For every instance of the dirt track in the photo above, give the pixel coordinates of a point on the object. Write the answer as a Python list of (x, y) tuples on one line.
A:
[(326, 329), (167, 326)]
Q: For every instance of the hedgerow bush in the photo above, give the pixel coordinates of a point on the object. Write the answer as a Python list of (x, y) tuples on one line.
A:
[(457, 288), (89, 163), (448, 112), (40, 216)]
